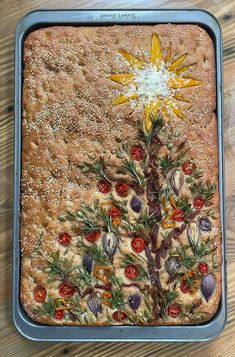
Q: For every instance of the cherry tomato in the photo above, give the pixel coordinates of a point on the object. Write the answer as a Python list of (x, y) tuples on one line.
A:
[(40, 293), (104, 186), (119, 316), (137, 153), (114, 212), (173, 310), (184, 287), (131, 272), (137, 244), (116, 221), (198, 202), (122, 188), (64, 239), (59, 314), (188, 167), (178, 215), (93, 236), (66, 290), (203, 268)]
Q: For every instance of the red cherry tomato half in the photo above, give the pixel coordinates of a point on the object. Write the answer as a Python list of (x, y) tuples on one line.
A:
[(137, 153), (137, 244), (40, 293), (188, 167), (59, 314), (184, 287), (203, 268), (119, 316), (93, 236), (64, 239), (114, 212), (66, 290), (122, 189), (198, 202), (131, 272), (178, 215), (173, 310), (104, 186)]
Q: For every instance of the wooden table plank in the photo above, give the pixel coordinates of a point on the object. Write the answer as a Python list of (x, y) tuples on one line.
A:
[(12, 344)]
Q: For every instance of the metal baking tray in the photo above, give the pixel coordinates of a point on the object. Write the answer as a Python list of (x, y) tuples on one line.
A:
[(37, 332)]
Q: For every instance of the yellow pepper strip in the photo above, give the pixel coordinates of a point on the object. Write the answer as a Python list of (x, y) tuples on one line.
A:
[(123, 78), (166, 209), (102, 272), (183, 82), (131, 59), (123, 98), (116, 221), (61, 304), (150, 111), (155, 52), (173, 106), (168, 55), (181, 98), (166, 225), (175, 64), (172, 202)]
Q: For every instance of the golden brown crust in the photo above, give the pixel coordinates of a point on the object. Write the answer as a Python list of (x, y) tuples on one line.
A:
[(68, 113)]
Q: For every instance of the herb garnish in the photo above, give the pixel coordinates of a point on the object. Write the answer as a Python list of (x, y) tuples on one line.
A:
[(98, 167), (117, 299), (158, 124), (96, 252), (206, 190), (130, 168), (183, 204)]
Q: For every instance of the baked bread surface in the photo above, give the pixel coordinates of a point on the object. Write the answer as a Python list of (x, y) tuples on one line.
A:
[(70, 122)]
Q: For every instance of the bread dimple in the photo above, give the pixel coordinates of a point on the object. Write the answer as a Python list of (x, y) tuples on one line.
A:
[(68, 114)]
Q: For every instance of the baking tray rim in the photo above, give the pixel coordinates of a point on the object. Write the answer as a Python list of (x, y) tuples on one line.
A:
[(90, 17)]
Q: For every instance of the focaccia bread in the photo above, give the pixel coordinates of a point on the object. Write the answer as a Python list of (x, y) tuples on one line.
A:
[(120, 221)]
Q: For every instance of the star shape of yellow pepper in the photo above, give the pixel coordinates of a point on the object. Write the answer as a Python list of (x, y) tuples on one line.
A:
[(154, 82)]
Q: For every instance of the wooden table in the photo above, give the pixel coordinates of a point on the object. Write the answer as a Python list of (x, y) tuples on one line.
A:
[(12, 343)]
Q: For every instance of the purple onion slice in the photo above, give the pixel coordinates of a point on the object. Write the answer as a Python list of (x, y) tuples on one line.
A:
[(208, 285), (134, 301)]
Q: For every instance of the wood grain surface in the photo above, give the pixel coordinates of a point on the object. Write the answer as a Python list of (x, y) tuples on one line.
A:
[(11, 342)]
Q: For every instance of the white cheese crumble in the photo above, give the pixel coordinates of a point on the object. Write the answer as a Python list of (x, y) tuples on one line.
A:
[(151, 82)]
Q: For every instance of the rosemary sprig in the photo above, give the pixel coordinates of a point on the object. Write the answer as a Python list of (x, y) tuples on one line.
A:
[(117, 299), (186, 260), (130, 168), (114, 279), (131, 259), (196, 174), (158, 124), (120, 204), (183, 204), (59, 268), (139, 224), (107, 220), (204, 248), (205, 190), (98, 167), (168, 162), (47, 308), (144, 219), (87, 215), (168, 297), (96, 252), (83, 275)]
